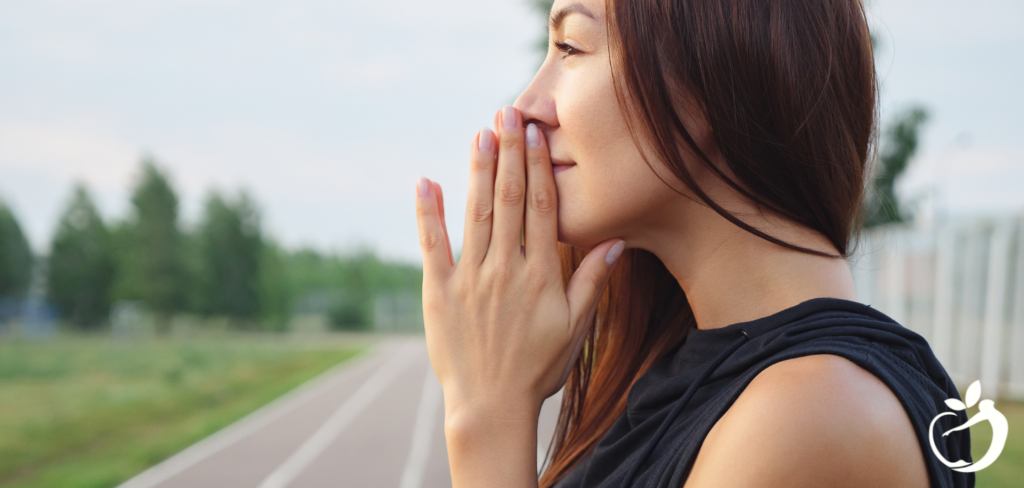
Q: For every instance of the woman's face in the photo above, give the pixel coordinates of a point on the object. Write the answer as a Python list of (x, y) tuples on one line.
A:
[(605, 189)]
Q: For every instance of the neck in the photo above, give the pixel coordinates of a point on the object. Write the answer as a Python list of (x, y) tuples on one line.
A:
[(730, 275)]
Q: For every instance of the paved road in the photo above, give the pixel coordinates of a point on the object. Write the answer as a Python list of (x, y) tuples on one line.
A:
[(375, 421)]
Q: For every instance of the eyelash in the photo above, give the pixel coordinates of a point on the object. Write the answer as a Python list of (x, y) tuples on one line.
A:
[(567, 49)]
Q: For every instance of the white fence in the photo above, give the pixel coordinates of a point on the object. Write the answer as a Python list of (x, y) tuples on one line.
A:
[(961, 286)]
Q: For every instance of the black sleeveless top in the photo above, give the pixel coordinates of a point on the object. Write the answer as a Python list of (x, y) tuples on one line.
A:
[(674, 405)]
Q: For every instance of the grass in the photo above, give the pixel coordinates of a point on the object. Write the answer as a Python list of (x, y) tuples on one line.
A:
[(93, 412), (1008, 470)]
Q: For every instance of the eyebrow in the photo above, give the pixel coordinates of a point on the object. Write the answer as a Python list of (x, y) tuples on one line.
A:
[(558, 17)]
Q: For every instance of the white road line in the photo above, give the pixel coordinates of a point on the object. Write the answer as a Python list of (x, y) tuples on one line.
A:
[(426, 417), (244, 427), (346, 413)]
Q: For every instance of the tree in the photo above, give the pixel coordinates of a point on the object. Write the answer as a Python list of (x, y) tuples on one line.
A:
[(81, 265), (345, 287), (543, 7), (275, 291), (881, 205), (231, 247), (154, 263), (15, 257), (354, 308)]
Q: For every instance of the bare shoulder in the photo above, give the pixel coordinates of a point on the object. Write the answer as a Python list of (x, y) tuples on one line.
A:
[(816, 420)]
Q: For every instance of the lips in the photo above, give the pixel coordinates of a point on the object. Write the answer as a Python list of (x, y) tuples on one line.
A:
[(560, 162), (558, 165)]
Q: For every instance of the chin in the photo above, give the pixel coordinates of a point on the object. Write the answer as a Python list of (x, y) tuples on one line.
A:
[(577, 231)]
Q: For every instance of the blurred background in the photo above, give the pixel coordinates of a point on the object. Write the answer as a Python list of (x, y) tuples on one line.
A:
[(205, 204)]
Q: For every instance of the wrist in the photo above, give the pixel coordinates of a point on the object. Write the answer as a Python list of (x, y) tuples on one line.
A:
[(466, 417), (490, 440)]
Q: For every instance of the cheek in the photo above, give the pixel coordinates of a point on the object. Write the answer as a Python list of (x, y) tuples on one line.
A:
[(611, 191), (605, 197)]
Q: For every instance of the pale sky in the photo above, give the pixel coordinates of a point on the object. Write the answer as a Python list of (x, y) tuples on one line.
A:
[(328, 111)]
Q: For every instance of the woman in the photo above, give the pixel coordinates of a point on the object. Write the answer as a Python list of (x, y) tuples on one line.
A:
[(711, 155)]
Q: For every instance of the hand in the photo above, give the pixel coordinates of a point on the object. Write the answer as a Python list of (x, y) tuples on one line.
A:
[(502, 330)]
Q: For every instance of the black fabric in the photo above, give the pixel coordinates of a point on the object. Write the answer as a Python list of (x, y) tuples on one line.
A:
[(899, 357)]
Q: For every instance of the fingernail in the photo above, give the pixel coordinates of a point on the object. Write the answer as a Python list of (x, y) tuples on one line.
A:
[(509, 121), (486, 140), (614, 252), (423, 187), (532, 136)]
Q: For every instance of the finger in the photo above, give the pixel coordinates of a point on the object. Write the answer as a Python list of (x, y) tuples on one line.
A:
[(584, 291), (509, 186), (480, 202), (590, 279), (444, 226), (541, 226), (431, 232)]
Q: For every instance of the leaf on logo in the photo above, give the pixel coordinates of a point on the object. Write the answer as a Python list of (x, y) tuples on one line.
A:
[(955, 404), (973, 393)]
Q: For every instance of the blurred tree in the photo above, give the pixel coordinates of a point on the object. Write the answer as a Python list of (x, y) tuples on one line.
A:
[(193, 272), (81, 265), (15, 257), (128, 277), (351, 313), (231, 246), (275, 288), (153, 268), (881, 205), (354, 311), (543, 7), (309, 270), (344, 287)]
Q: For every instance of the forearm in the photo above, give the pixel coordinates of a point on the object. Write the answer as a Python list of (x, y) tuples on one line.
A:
[(493, 446)]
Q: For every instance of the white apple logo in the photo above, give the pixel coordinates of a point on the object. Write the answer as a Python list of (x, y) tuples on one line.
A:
[(986, 411)]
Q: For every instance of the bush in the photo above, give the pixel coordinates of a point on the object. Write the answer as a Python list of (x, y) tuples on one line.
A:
[(351, 314)]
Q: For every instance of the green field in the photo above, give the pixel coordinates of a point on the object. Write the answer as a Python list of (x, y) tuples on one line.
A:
[(1008, 470), (92, 412)]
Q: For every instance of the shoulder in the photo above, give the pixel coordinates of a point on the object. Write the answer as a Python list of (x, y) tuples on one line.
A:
[(817, 420)]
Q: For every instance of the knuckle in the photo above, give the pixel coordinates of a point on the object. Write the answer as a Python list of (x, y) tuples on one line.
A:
[(537, 159), (481, 164), (511, 192), (430, 240), (537, 278), (480, 212), (433, 300), (542, 200), (424, 210), (511, 141), (500, 273), (463, 294)]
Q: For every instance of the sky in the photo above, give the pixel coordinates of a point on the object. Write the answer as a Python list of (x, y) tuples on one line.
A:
[(327, 111)]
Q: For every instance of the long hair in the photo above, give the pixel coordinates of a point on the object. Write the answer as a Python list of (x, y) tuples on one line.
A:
[(789, 92)]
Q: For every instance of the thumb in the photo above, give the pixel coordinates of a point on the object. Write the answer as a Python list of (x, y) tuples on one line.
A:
[(585, 289), (588, 282)]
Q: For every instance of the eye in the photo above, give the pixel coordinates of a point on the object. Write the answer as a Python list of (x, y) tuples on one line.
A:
[(567, 49)]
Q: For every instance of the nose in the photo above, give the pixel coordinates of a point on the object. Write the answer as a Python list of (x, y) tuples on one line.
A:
[(537, 101)]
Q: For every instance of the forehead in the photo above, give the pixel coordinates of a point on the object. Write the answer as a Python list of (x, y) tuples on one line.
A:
[(585, 9)]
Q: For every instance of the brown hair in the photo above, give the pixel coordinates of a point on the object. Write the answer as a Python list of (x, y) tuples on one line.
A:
[(788, 90)]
